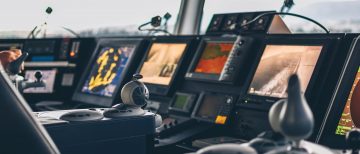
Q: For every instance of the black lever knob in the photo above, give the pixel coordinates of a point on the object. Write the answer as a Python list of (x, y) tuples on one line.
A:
[(38, 75), (15, 66), (353, 140), (137, 76)]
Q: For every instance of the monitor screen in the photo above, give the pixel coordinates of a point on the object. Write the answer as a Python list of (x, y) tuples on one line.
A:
[(48, 76), (277, 63), (106, 71), (182, 102), (10, 46), (161, 62), (213, 58), (350, 117), (210, 106)]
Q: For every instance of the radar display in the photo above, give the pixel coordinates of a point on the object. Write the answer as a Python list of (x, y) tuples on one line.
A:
[(213, 58), (107, 69), (278, 63), (350, 118)]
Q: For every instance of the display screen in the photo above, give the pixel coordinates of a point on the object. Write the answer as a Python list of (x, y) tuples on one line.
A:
[(350, 117), (48, 76), (213, 58), (10, 46), (210, 106), (161, 62), (278, 63), (180, 101), (105, 75)]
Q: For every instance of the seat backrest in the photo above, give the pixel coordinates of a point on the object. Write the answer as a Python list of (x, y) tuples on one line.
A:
[(20, 132)]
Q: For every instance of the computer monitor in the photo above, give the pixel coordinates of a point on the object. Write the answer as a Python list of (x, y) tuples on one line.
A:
[(10, 46), (182, 102), (213, 107), (210, 59), (278, 62), (106, 72), (344, 109), (162, 62), (48, 76)]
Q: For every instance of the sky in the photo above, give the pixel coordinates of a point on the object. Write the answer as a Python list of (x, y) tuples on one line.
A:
[(92, 14)]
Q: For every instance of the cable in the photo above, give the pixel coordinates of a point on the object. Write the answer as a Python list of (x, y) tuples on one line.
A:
[(71, 31), (290, 14)]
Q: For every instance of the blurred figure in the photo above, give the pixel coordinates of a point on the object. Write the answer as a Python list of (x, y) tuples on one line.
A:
[(7, 56)]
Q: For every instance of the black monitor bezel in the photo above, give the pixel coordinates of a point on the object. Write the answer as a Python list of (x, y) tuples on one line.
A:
[(191, 99), (199, 102), (265, 102), (103, 100), (191, 74), (163, 90), (327, 134)]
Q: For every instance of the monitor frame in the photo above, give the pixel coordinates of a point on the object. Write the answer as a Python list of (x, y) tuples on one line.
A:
[(105, 101), (165, 90), (265, 102), (191, 74), (191, 98), (200, 100), (327, 131)]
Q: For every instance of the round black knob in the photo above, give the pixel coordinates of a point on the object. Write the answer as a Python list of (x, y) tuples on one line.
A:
[(137, 76), (48, 10), (353, 139), (38, 76)]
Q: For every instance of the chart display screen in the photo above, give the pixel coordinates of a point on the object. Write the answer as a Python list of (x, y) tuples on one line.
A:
[(210, 106), (213, 58), (181, 102), (350, 117), (161, 62), (105, 75), (48, 76), (278, 63)]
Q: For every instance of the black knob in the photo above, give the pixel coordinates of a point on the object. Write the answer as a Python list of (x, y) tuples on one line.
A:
[(48, 10), (137, 76), (353, 140), (38, 75)]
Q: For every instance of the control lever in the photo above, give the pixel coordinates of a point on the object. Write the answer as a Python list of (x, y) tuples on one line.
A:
[(353, 140), (296, 118), (14, 67), (38, 76), (25, 84)]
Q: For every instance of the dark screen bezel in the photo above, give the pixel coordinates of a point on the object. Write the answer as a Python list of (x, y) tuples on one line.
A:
[(200, 101), (191, 99), (265, 102), (205, 76), (158, 89), (327, 134), (104, 100)]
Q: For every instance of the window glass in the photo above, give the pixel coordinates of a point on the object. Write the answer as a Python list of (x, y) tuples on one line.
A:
[(85, 17), (336, 15)]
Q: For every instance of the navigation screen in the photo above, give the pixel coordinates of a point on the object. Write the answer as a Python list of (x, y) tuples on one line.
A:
[(213, 58), (10, 46), (278, 63), (210, 106), (48, 76), (106, 72), (181, 101), (350, 118), (161, 62)]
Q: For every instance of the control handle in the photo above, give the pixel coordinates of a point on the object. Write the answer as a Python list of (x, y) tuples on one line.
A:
[(15, 66)]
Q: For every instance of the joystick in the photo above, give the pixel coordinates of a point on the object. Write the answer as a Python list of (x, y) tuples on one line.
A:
[(353, 140), (14, 68), (38, 75), (134, 96)]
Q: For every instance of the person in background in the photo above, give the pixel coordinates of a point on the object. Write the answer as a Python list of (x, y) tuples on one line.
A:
[(7, 56)]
